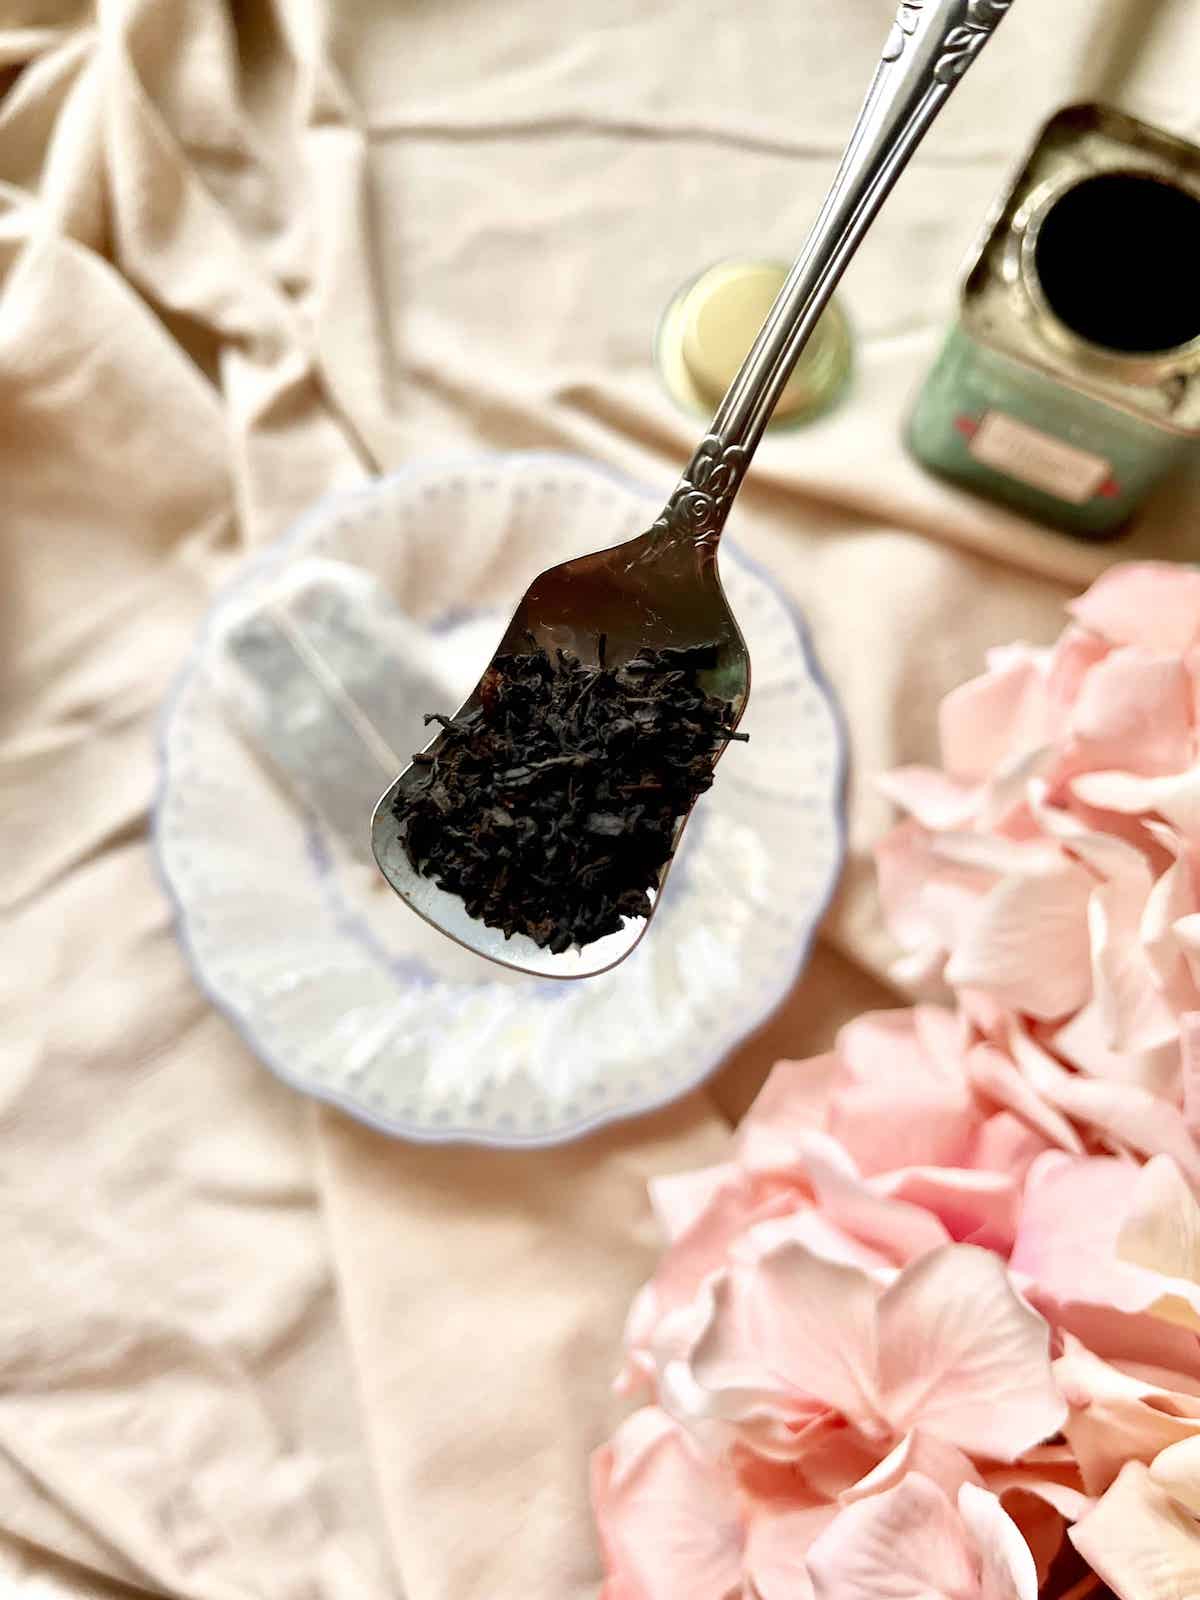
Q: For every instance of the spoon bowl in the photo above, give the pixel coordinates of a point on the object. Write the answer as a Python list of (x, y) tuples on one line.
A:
[(659, 590), (663, 588)]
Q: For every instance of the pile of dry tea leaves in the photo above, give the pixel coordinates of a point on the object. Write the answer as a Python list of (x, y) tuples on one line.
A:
[(551, 808)]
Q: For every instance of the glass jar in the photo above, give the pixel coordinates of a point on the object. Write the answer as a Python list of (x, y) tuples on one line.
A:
[(706, 332)]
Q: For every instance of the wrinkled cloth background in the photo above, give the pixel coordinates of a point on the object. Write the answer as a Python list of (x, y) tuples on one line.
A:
[(249, 254)]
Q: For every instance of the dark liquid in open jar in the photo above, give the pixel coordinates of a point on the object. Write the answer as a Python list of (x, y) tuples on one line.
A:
[(1118, 259)]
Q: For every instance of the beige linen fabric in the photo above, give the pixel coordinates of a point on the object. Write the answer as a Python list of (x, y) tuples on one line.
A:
[(252, 253)]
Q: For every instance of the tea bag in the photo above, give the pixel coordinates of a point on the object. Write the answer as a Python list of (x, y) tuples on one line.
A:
[(330, 683)]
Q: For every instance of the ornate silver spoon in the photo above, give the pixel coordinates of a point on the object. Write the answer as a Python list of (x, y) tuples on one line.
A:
[(663, 588)]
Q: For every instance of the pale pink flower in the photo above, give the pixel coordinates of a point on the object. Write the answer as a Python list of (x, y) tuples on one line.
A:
[(1143, 1535), (1051, 866), (893, 1145), (913, 1543), (1042, 1494), (785, 1346), (675, 1521), (1122, 1411), (942, 1300), (1104, 1232), (1141, 1540), (817, 1333)]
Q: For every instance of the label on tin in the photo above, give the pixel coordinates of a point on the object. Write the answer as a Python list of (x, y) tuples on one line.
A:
[(1037, 458)]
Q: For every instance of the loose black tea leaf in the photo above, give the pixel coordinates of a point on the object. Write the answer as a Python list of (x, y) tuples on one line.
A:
[(551, 808)]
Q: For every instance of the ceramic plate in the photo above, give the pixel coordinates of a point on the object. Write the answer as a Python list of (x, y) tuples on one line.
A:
[(346, 994)]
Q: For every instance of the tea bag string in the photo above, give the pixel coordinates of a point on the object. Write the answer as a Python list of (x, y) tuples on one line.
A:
[(388, 760)]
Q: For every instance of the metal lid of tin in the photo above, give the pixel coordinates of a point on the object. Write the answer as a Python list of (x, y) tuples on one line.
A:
[(1004, 305), (1146, 364), (707, 330)]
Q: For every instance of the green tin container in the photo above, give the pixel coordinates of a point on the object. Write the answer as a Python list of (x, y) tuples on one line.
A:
[(1070, 385)]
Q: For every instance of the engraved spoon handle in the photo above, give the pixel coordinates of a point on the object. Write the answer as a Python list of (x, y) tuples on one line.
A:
[(930, 47)]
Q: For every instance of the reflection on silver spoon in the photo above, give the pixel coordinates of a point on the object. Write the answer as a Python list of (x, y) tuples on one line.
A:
[(663, 588)]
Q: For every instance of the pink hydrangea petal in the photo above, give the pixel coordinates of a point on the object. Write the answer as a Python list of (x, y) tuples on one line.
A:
[(1082, 1042), (919, 973), (905, 1544), (1168, 840), (1007, 1569), (1041, 1506), (1003, 802), (1175, 1380), (795, 1095), (925, 901), (814, 1324), (777, 1550), (1160, 1231), (1170, 900), (619, 1589), (919, 1452), (1123, 1113), (714, 1377), (1189, 1047), (999, 855), (1068, 1499), (854, 1223), (1174, 796), (935, 800), (837, 1457), (996, 1076), (962, 1358), (903, 863), (1133, 1009), (1177, 1470), (769, 1153), (667, 1518), (1055, 1453), (643, 1318), (1007, 1144), (1069, 1240), (1114, 1417), (1130, 1116), (1027, 943), (940, 803), (1161, 1227), (994, 717), (1095, 842), (1141, 1542), (732, 1208), (1041, 1527), (902, 1097), (1134, 712), (941, 1035), (1000, 658), (1187, 935), (770, 1438), (1124, 1337), (899, 1230), (680, 1199), (1155, 603), (972, 1207), (711, 1371), (817, 1233), (1072, 658), (1067, 1237)]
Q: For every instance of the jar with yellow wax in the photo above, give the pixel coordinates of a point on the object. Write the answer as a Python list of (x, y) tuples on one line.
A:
[(707, 330)]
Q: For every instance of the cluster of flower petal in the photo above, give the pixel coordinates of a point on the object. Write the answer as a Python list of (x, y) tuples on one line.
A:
[(933, 1329)]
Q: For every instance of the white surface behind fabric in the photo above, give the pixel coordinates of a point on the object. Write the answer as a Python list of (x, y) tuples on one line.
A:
[(249, 255)]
